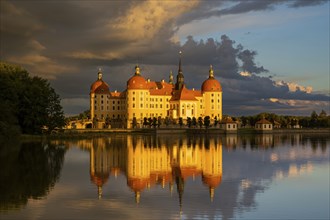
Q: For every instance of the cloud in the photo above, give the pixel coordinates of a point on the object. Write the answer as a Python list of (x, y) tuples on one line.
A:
[(211, 9), (293, 87), (68, 49)]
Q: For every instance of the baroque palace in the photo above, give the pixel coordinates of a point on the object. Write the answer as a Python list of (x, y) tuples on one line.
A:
[(144, 98)]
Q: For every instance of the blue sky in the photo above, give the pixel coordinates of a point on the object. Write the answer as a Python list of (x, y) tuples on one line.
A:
[(292, 43), (268, 55)]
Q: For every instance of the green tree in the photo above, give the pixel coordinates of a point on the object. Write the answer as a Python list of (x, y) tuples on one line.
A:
[(29, 103), (207, 122), (216, 121), (159, 121), (189, 122), (200, 122), (145, 121), (194, 122), (180, 122), (167, 121), (154, 122)]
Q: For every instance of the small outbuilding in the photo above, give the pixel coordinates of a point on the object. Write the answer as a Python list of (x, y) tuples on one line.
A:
[(263, 125), (228, 124)]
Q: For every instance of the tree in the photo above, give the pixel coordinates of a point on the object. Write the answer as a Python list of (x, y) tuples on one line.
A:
[(134, 122), (194, 122), (30, 102), (154, 122), (159, 121), (314, 117), (200, 122), (180, 122), (150, 122), (216, 121), (145, 121), (167, 121), (55, 116), (189, 122), (207, 122)]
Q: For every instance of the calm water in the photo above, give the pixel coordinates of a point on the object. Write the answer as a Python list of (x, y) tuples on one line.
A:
[(167, 177)]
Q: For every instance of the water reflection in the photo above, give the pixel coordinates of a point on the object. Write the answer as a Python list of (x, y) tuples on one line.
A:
[(169, 177), (28, 171), (149, 161)]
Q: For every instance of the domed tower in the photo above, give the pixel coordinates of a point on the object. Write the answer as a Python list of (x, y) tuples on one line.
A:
[(138, 166), (137, 96), (212, 167), (99, 167), (99, 96), (212, 95)]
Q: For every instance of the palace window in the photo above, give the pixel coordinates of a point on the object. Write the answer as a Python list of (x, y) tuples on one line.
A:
[(118, 102), (95, 107), (102, 102), (113, 107), (141, 105), (133, 98), (102, 108), (161, 106), (118, 107), (113, 102), (212, 100), (182, 111), (133, 105), (133, 93), (101, 96), (161, 100)]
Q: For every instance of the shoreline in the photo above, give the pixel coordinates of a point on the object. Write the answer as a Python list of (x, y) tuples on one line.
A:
[(87, 133)]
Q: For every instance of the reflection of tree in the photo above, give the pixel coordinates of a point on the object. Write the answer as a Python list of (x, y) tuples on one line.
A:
[(29, 170)]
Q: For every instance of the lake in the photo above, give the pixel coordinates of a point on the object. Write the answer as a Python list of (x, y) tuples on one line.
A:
[(266, 176)]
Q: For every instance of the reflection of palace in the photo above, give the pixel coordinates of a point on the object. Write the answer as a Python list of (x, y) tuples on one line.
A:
[(147, 161)]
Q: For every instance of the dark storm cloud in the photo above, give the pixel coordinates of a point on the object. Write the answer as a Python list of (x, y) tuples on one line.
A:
[(211, 8), (249, 65), (67, 41), (303, 3)]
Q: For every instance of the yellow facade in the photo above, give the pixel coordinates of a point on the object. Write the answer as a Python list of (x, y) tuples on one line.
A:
[(148, 99)]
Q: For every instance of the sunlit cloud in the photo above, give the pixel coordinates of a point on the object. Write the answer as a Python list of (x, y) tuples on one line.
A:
[(245, 73), (292, 102), (145, 19), (293, 87)]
